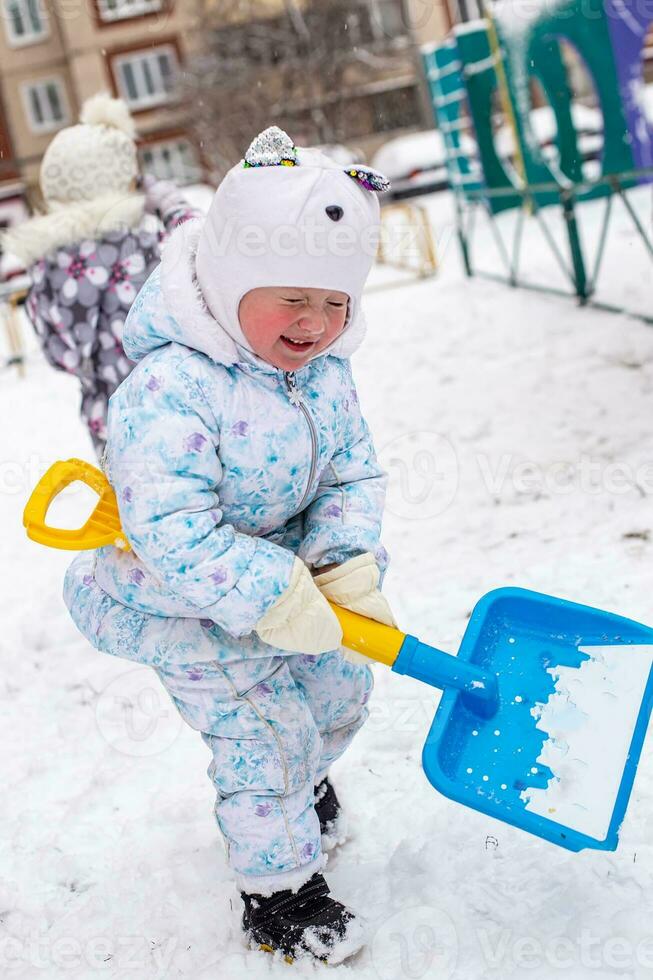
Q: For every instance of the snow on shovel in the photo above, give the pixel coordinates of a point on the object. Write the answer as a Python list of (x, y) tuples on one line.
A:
[(544, 712), (545, 707)]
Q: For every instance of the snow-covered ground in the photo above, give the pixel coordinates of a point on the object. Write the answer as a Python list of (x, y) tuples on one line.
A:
[(517, 432)]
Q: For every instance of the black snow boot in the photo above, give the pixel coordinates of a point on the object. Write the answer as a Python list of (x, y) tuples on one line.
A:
[(333, 825), (302, 923)]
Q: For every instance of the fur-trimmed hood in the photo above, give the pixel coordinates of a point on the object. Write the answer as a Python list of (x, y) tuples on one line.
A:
[(69, 224), (171, 308)]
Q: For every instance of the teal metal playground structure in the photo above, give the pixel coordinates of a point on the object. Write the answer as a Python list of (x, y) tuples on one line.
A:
[(496, 59)]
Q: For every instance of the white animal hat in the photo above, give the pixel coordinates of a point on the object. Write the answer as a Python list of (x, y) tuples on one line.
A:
[(289, 216)]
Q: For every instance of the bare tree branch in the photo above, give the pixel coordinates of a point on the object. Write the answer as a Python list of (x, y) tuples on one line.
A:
[(292, 63)]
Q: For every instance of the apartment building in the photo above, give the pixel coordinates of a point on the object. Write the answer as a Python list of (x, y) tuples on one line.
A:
[(55, 53)]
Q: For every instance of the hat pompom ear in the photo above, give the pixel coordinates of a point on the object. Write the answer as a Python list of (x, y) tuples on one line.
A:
[(271, 148), (102, 110), (370, 180)]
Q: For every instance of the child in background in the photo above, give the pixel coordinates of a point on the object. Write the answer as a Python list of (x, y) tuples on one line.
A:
[(93, 250), (249, 489)]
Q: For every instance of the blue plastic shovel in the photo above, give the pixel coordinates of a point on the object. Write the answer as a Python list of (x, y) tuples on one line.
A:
[(543, 715), (544, 710)]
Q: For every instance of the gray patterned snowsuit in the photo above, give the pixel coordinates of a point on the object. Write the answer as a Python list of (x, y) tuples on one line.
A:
[(79, 300)]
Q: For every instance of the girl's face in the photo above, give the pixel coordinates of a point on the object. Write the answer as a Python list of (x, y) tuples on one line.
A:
[(289, 326)]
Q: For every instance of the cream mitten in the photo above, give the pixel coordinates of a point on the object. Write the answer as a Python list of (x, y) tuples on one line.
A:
[(301, 621), (355, 585)]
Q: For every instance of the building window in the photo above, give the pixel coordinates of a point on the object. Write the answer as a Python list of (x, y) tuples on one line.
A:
[(396, 109), (110, 10), (147, 78), (260, 43), (25, 21), (46, 105), (467, 10), (376, 112), (7, 164), (386, 19), (173, 159)]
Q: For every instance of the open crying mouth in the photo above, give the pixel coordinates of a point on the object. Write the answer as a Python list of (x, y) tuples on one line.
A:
[(297, 344)]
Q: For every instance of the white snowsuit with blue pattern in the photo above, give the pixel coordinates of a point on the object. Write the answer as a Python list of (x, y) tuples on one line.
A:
[(221, 480)]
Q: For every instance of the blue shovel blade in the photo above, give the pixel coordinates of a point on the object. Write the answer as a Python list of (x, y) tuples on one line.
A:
[(488, 763)]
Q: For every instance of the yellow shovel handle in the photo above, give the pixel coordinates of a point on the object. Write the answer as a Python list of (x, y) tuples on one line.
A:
[(374, 640), (102, 527), (366, 636)]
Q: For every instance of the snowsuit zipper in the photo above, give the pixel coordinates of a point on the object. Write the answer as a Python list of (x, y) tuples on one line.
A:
[(295, 396)]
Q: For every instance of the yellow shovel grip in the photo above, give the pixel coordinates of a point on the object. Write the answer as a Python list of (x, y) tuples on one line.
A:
[(366, 636), (102, 527)]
